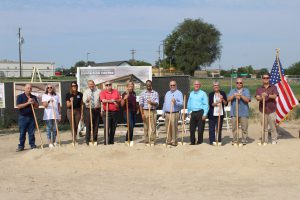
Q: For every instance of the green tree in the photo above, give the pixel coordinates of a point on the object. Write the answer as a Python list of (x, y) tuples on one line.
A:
[(139, 63), (294, 69), (250, 69), (192, 43), (261, 72)]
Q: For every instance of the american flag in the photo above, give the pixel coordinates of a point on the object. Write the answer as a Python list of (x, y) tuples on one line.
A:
[(286, 100)]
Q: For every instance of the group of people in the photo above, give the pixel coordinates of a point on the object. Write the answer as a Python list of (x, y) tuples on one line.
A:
[(106, 103)]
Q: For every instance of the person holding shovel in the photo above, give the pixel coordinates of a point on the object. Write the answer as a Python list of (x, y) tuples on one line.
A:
[(74, 97), (173, 103), (129, 100), (52, 113), (217, 101), (268, 93), (92, 112), (149, 101), (197, 108), (110, 99), (26, 117), (242, 95)]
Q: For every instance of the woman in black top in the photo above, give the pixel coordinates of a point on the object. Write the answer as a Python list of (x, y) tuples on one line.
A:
[(75, 96)]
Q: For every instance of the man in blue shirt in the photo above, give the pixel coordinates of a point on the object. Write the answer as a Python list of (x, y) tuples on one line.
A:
[(173, 103), (26, 118), (244, 97), (198, 108)]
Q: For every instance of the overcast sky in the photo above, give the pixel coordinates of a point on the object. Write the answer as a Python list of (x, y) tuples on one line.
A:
[(64, 31)]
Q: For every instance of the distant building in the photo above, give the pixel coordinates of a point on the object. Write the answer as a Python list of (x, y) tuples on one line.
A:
[(113, 63), (12, 68)]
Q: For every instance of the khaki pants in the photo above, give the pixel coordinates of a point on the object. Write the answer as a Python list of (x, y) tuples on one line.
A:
[(173, 131), (150, 128), (270, 121), (243, 121)]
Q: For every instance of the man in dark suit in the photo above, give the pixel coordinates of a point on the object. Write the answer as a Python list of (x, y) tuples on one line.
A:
[(217, 101)]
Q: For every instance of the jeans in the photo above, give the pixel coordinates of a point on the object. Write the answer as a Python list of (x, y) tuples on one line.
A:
[(132, 116), (51, 130), (26, 124)]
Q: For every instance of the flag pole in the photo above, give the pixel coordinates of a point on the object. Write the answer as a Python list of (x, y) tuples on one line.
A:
[(281, 78)]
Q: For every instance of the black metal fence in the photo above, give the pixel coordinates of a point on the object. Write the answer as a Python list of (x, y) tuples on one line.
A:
[(9, 114)]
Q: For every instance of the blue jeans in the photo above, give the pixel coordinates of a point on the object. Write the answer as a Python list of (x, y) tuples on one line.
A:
[(51, 130), (131, 123), (26, 124)]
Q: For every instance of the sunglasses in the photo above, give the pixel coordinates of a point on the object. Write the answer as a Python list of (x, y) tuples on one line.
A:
[(266, 77), (74, 85), (172, 85), (49, 87), (241, 83), (107, 84)]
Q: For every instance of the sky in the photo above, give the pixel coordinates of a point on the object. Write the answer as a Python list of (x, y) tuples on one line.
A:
[(64, 32)]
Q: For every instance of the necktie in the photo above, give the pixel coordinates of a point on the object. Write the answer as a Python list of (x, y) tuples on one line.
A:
[(92, 99)]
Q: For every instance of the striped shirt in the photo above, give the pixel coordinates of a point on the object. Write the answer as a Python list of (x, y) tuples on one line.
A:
[(145, 95)]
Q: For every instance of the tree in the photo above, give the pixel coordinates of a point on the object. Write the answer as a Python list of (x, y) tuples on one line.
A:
[(139, 63), (192, 44), (250, 69), (261, 72), (294, 69)]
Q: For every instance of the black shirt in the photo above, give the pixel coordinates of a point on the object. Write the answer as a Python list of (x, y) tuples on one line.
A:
[(26, 111), (77, 99)]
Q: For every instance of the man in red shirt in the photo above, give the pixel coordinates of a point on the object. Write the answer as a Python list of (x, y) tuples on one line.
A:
[(110, 99)]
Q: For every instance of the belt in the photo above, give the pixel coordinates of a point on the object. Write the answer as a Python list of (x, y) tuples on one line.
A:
[(150, 109), (172, 112), (197, 111)]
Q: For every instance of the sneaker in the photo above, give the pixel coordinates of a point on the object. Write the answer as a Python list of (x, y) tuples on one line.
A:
[(274, 142), (33, 147), (19, 149), (55, 144), (51, 145), (95, 143)]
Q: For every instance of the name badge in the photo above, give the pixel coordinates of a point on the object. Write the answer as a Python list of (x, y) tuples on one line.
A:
[(78, 96)]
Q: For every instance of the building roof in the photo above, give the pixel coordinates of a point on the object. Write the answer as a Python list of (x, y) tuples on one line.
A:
[(113, 63), (17, 62)]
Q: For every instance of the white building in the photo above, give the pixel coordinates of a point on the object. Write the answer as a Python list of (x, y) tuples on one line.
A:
[(12, 68)]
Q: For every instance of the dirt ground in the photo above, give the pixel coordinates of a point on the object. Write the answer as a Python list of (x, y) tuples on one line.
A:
[(140, 172)]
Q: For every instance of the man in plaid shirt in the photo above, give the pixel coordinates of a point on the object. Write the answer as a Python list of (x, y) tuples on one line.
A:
[(149, 99)]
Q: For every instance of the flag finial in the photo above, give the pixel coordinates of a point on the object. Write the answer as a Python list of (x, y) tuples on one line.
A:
[(277, 51)]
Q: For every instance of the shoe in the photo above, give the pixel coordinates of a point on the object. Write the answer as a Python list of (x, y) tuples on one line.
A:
[(192, 144), (244, 143), (19, 149), (51, 145), (87, 144), (33, 147), (174, 144), (55, 144), (95, 144), (274, 142)]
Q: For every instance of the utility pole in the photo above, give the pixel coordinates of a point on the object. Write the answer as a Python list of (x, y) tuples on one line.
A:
[(87, 58), (133, 51), (21, 41)]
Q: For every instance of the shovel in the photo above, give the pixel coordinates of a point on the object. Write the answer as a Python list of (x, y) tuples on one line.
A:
[(54, 115), (263, 142), (37, 127)]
